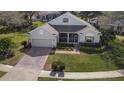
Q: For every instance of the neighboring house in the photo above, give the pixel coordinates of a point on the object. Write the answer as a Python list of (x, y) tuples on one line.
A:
[(45, 15), (66, 28), (118, 26)]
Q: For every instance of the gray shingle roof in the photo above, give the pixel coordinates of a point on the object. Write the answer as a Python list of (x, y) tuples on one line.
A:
[(68, 28)]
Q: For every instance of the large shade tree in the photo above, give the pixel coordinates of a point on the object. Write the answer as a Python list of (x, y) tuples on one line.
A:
[(8, 18), (89, 14), (28, 16)]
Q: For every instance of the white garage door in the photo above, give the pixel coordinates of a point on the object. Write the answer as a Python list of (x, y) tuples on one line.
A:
[(42, 43)]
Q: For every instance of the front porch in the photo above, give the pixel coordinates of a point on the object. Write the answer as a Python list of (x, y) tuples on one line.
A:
[(68, 37)]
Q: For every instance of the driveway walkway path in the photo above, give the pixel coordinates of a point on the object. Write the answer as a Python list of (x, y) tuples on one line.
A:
[(86, 75), (29, 67)]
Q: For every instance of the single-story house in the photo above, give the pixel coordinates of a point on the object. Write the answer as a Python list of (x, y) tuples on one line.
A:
[(66, 28)]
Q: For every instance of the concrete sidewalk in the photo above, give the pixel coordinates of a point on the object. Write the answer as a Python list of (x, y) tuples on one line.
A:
[(86, 75), (66, 52), (5, 68)]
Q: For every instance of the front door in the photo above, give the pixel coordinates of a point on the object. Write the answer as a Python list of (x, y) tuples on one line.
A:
[(73, 38)]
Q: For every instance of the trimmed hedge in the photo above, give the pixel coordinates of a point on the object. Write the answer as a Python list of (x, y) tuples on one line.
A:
[(65, 46), (91, 48)]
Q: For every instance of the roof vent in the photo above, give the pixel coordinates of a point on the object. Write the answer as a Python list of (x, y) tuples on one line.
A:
[(65, 20)]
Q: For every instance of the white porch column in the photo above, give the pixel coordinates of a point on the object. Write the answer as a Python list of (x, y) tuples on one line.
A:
[(68, 37)]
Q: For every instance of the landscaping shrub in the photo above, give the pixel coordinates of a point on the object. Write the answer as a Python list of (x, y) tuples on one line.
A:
[(7, 54), (65, 46), (115, 54), (107, 36), (32, 27), (6, 48), (96, 48), (24, 43), (10, 53), (3, 29), (6, 44), (58, 66)]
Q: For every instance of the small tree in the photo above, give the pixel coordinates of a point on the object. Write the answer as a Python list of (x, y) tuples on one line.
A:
[(58, 66), (28, 16), (107, 36)]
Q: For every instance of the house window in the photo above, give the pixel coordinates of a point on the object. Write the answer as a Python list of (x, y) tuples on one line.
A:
[(63, 37), (65, 20), (73, 37), (89, 39)]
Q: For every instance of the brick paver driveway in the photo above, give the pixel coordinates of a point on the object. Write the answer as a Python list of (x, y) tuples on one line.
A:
[(29, 67)]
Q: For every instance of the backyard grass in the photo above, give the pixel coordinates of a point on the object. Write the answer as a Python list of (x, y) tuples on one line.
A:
[(2, 73), (81, 63), (38, 23), (17, 38), (103, 79)]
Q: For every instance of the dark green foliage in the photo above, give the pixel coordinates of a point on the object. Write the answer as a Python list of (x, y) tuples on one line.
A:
[(7, 54), (115, 54), (31, 27), (6, 46), (94, 48), (65, 46), (3, 29), (24, 43), (58, 66), (107, 36)]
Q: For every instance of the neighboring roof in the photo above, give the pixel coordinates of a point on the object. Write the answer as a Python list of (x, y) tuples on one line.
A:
[(68, 28), (43, 13), (117, 22)]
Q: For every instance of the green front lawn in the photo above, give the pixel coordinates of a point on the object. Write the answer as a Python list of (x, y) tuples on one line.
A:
[(81, 63), (2, 73), (17, 38), (103, 79)]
